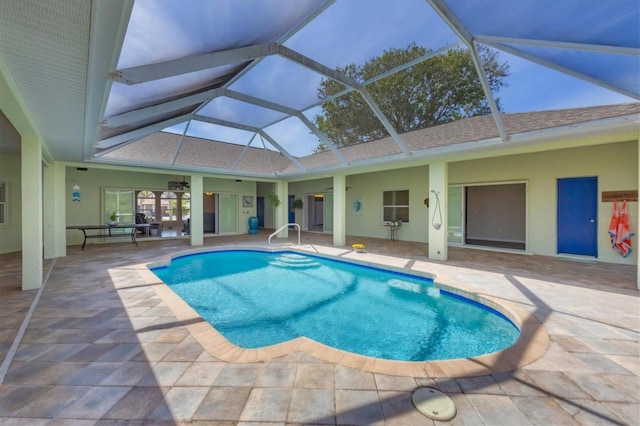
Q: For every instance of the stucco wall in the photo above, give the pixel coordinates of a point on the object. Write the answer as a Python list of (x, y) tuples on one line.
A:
[(92, 181), (11, 234), (615, 165), (369, 187), (303, 189)]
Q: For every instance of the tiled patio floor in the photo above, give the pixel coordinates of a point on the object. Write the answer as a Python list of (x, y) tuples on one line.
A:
[(103, 348)]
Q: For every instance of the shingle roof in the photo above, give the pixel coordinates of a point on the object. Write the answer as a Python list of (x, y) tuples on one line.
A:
[(195, 152)]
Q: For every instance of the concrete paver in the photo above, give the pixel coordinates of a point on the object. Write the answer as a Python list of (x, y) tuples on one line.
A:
[(103, 345)]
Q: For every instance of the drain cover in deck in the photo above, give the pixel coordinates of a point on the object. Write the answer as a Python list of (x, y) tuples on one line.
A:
[(433, 404)]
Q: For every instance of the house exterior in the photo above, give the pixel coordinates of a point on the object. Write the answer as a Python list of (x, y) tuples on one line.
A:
[(491, 194), (83, 132)]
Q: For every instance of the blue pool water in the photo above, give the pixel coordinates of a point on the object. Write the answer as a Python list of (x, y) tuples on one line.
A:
[(257, 299)]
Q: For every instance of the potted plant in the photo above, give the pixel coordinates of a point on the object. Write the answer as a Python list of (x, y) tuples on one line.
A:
[(297, 204), (113, 219), (272, 199)]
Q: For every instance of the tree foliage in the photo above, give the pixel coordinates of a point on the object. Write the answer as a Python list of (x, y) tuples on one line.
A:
[(440, 89)]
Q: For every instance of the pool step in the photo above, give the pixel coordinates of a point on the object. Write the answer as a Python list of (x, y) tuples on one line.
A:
[(292, 260)]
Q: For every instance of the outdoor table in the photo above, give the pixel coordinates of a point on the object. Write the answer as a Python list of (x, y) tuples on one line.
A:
[(392, 228), (109, 229)]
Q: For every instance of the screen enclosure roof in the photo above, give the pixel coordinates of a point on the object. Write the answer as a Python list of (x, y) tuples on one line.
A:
[(233, 86)]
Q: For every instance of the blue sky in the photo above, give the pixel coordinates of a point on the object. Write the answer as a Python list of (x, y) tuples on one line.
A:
[(347, 32)]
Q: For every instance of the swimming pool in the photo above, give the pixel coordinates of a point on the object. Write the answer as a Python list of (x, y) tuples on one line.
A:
[(257, 298)]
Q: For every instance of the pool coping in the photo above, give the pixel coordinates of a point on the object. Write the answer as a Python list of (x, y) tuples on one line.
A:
[(531, 345)]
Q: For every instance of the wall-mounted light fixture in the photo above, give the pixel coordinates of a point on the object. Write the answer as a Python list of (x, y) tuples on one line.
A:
[(208, 193)]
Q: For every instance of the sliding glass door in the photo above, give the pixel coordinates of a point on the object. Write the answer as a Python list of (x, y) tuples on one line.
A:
[(455, 215)]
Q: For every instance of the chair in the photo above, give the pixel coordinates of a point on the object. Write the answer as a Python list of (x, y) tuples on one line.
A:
[(140, 219)]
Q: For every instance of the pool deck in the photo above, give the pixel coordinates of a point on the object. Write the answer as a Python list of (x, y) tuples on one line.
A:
[(106, 344)]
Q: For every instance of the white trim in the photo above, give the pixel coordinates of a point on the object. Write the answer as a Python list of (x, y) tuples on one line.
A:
[(4, 210), (382, 205), (526, 218)]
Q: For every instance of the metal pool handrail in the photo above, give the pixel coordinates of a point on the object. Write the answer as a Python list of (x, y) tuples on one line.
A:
[(281, 228)]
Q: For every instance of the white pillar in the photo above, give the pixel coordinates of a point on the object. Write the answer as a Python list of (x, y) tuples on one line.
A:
[(32, 243), (196, 232), (438, 182), (54, 210), (638, 257), (339, 215), (282, 211)]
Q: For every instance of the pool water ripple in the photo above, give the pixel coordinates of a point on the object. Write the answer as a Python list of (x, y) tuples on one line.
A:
[(258, 299)]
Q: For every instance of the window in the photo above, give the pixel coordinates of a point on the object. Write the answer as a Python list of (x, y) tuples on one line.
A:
[(147, 204), (3, 204), (395, 206), (186, 205), (168, 204), (121, 202)]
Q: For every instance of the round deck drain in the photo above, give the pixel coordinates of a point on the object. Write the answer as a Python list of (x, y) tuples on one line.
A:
[(433, 404)]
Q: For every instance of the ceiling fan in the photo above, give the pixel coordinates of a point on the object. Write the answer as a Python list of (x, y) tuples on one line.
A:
[(330, 188), (179, 185)]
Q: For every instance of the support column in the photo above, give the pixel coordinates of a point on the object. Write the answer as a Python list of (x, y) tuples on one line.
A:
[(638, 256), (158, 206), (179, 209), (32, 240), (339, 215), (281, 213), (54, 210), (196, 234), (438, 191)]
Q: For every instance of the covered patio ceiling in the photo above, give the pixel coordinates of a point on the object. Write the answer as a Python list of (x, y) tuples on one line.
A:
[(230, 84)]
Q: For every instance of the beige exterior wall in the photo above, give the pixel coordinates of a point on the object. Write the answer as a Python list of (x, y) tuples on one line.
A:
[(370, 187), (304, 189), (11, 233), (615, 166), (92, 181)]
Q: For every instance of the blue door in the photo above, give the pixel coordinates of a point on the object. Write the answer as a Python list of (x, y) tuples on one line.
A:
[(292, 213), (577, 216), (260, 211)]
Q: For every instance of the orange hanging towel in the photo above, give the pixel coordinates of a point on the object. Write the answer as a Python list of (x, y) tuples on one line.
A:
[(613, 225), (620, 230), (624, 234)]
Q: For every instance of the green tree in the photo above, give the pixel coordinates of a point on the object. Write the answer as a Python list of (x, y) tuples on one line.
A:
[(440, 89)]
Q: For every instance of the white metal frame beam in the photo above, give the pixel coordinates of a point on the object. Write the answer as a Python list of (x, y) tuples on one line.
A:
[(328, 72), (140, 132), (597, 48), (151, 72), (145, 73), (517, 52), (251, 129), (145, 113), (290, 112), (442, 9)]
